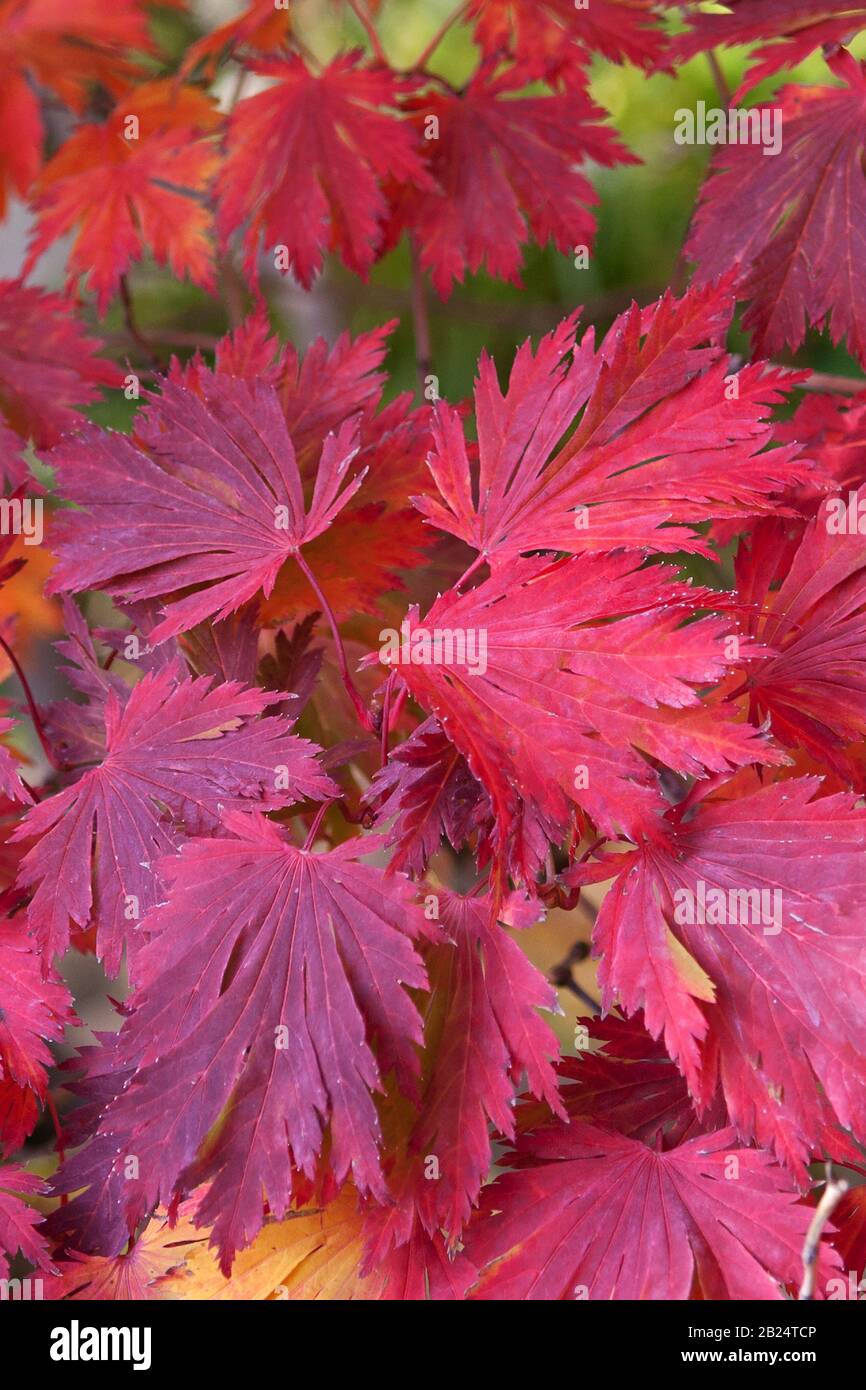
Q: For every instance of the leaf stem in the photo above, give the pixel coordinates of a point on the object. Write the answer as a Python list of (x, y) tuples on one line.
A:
[(132, 327), (440, 34), (386, 716), (360, 12), (32, 706), (317, 821), (420, 319), (360, 708), (825, 381), (722, 87)]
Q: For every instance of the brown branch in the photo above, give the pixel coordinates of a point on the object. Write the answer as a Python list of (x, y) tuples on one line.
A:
[(32, 706), (132, 327), (830, 1197), (722, 87), (561, 976), (826, 381), (420, 320)]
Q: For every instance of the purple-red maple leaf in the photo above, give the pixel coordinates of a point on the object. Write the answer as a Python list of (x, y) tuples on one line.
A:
[(18, 1221), (33, 1012), (49, 366), (588, 1213), (209, 496), (793, 29), (427, 791), (483, 1036), (271, 976), (376, 535), (812, 684), (620, 1078), (505, 168), (175, 753), (743, 942), (794, 225)]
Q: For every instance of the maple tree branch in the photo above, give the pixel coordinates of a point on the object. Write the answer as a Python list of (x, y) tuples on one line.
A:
[(170, 337), (360, 708), (237, 90), (233, 290), (360, 12), (439, 35), (32, 706), (386, 716), (722, 87), (132, 327), (420, 319), (831, 1196), (826, 381), (561, 977)]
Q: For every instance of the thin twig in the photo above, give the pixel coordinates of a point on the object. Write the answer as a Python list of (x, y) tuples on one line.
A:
[(317, 821), (35, 714), (439, 36), (826, 381), (132, 327), (560, 975), (369, 27), (386, 716), (722, 87), (420, 319), (237, 91), (830, 1197), (360, 708)]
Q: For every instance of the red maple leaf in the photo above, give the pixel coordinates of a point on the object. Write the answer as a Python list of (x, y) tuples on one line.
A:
[(178, 745), (376, 536), (18, 1221), (832, 431), (426, 788), (795, 27), (849, 1218), (568, 700), (505, 168), (306, 159), (123, 195), (793, 224), (33, 1012), (812, 686), (219, 500), (590, 1214), (68, 49), (765, 1006), (483, 1036), (560, 34), (322, 952), (629, 1084), (262, 28), (49, 366), (662, 440)]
